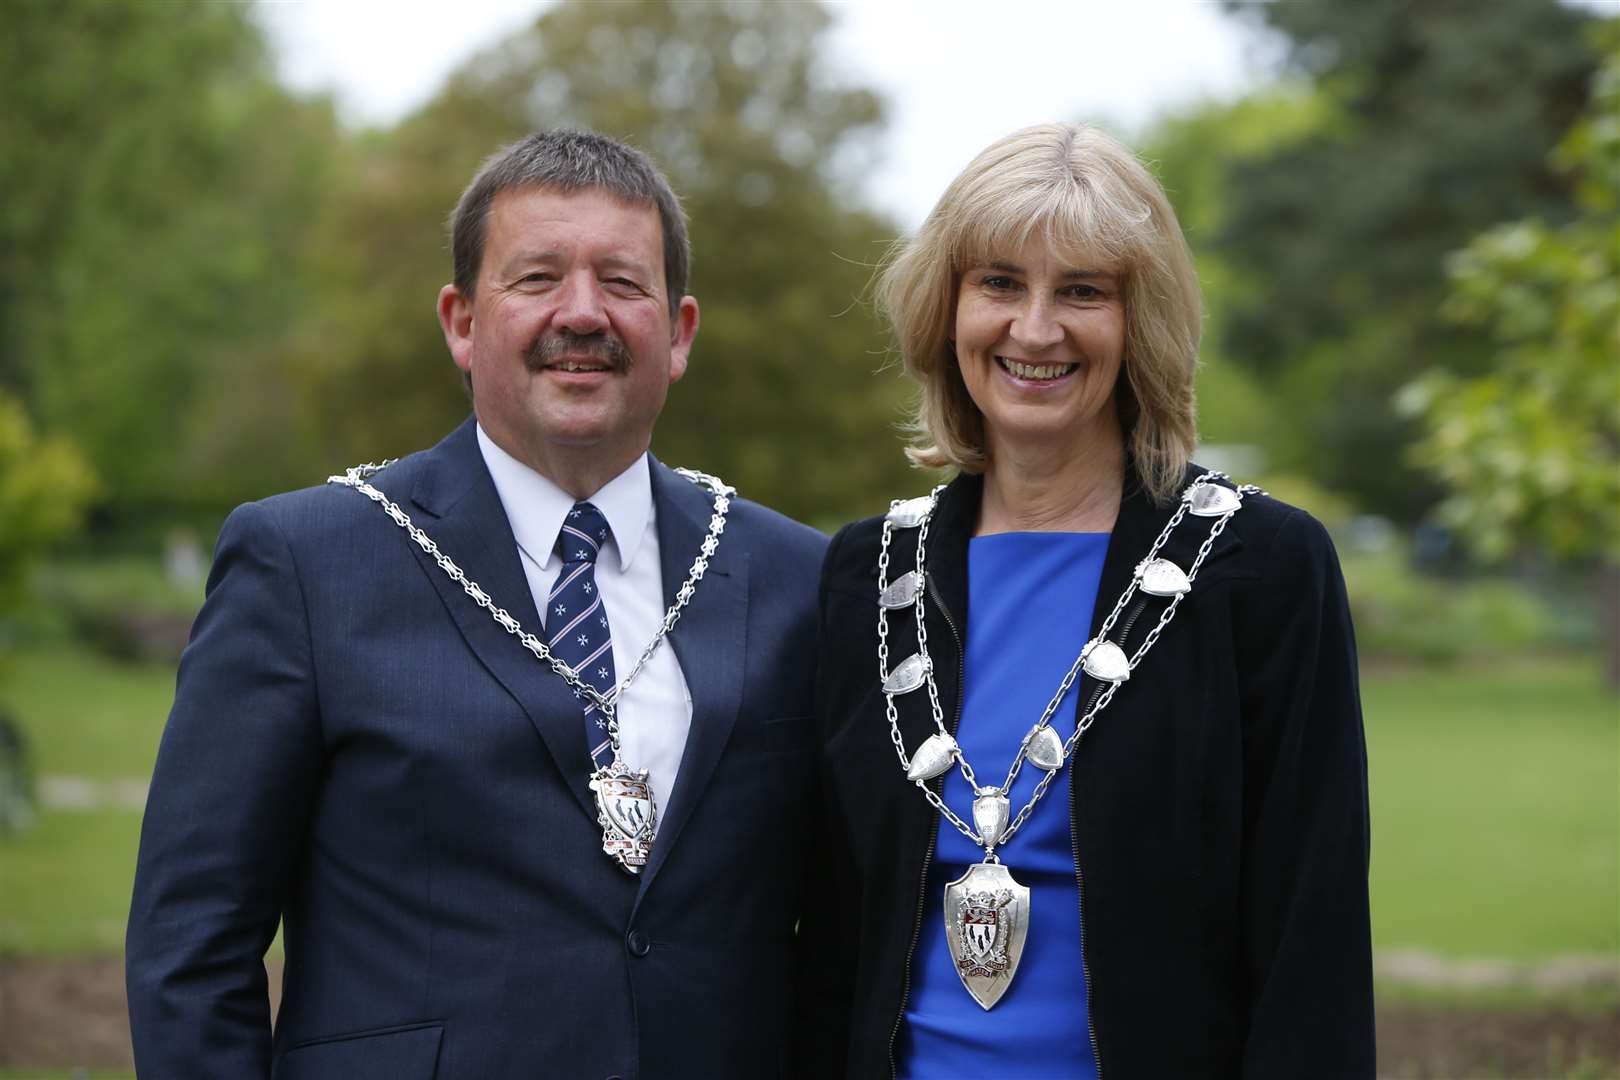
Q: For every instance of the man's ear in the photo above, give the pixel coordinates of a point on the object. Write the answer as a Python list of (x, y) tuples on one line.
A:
[(456, 320), (681, 335)]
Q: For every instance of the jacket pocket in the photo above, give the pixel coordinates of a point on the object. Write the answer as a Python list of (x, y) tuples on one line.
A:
[(409, 1052)]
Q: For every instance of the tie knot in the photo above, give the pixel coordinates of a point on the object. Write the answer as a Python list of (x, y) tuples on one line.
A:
[(584, 531)]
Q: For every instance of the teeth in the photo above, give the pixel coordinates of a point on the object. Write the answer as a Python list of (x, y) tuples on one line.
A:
[(1036, 371), (571, 366)]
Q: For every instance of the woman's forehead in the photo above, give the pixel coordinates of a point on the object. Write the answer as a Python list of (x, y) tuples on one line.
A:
[(1036, 248)]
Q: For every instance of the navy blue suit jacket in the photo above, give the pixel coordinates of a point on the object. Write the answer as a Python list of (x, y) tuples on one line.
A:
[(358, 750)]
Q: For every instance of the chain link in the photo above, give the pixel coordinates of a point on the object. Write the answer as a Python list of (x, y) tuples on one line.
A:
[(892, 711), (356, 478)]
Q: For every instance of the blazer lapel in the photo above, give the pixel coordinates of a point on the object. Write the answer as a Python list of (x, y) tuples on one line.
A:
[(709, 642), (464, 516), (1138, 525)]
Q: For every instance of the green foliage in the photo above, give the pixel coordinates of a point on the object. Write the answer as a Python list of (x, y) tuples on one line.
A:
[(1438, 122), (125, 609), (731, 101), (1530, 451), (159, 187), (44, 485), (1403, 614), (1194, 155)]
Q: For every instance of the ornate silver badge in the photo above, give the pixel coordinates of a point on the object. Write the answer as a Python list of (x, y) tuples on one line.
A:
[(986, 922), (624, 809)]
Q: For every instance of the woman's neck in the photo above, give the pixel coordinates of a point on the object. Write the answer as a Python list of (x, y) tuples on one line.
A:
[(1031, 488)]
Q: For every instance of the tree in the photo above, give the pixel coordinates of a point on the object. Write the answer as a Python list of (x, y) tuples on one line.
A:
[(732, 101), (1194, 154), (159, 187), (1441, 118), (1530, 451)]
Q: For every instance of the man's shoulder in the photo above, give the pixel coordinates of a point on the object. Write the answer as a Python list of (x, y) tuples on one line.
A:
[(786, 537), (314, 514)]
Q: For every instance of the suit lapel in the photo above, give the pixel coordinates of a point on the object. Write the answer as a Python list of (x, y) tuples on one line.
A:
[(709, 643), (464, 516)]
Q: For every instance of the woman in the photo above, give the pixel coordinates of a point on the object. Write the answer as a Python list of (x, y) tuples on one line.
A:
[(1179, 889)]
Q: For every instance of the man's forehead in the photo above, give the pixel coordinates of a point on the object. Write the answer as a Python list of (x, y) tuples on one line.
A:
[(521, 218)]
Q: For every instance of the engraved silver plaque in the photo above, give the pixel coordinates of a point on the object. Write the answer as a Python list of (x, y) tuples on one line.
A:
[(907, 675), (986, 924), (1107, 661), (625, 811), (991, 812), (933, 757), (902, 591), (1212, 500), (1161, 577), (1045, 749), (909, 513)]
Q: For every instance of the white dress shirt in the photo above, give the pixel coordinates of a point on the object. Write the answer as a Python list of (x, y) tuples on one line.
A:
[(655, 713)]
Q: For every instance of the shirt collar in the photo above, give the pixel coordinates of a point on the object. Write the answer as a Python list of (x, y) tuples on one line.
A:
[(536, 507)]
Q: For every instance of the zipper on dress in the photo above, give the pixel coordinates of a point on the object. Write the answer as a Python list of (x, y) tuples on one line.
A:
[(933, 834)]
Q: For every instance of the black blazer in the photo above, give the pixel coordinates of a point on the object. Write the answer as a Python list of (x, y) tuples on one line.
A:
[(360, 751), (1219, 808)]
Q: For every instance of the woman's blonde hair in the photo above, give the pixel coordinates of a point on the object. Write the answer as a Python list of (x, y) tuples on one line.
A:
[(1082, 191)]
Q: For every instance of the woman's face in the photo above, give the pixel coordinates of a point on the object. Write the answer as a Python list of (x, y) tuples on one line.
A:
[(1039, 339)]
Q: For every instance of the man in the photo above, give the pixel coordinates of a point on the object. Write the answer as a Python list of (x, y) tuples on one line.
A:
[(439, 817)]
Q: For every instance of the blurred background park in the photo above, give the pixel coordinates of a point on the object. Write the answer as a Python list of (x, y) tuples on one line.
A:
[(216, 284)]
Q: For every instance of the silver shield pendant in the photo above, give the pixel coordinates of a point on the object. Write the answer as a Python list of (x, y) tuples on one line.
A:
[(624, 809), (986, 922)]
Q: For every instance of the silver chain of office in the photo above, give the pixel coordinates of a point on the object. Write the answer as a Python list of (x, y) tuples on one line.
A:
[(1099, 658), (356, 478)]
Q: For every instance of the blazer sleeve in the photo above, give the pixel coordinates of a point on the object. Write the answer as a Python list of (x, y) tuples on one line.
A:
[(1307, 929), (236, 772)]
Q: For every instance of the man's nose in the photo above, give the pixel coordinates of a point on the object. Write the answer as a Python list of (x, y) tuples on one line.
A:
[(580, 305)]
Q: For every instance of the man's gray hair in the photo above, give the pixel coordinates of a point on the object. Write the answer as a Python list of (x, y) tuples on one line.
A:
[(569, 161)]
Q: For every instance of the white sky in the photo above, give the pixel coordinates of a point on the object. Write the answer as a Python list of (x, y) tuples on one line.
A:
[(957, 74)]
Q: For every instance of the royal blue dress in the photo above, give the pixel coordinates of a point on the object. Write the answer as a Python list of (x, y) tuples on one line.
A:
[(1030, 601)]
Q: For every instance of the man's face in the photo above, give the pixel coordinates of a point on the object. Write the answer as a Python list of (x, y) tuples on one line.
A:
[(568, 337)]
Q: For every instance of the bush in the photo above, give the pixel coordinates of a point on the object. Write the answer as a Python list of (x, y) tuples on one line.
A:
[(1402, 613), (126, 608)]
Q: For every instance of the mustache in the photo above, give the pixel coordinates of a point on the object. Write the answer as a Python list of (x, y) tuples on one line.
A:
[(603, 345)]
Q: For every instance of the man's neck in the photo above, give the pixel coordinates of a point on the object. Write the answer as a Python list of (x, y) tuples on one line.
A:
[(581, 471)]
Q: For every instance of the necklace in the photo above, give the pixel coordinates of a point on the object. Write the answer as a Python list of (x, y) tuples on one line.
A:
[(624, 799), (986, 909)]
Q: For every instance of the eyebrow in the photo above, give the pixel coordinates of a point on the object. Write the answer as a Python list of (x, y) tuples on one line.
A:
[(1067, 275), (528, 258)]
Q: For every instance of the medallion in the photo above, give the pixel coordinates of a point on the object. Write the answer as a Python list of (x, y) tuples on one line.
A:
[(624, 809), (986, 922)]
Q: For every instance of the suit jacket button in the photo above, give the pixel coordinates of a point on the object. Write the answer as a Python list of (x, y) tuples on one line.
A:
[(639, 945)]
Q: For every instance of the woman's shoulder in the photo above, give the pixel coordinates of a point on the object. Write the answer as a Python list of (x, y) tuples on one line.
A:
[(1280, 543), (852, 556)]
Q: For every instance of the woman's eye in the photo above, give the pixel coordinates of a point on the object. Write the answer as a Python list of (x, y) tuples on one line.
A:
[(998, 281)]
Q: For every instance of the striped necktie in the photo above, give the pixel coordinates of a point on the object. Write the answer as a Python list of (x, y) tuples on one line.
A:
[(577, 622)]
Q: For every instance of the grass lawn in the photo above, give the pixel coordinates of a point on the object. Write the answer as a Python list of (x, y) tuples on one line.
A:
[(1496, 809), (85, 715), (1495, 791)]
